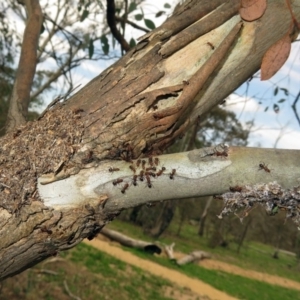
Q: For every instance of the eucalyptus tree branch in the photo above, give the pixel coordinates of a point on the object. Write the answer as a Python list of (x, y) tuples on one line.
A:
[(86, 159), (20, 98), (201, 172), (110, 16)]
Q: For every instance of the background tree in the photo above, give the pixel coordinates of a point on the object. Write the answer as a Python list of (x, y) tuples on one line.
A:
[(60, 175)]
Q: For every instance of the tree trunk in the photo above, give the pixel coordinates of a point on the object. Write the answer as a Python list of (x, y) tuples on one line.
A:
[(59, 181), (243, 236), (203, 216), (163, 220)]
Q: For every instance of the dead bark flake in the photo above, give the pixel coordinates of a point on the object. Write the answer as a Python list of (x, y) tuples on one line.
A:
[(252, 10), (275, 57)]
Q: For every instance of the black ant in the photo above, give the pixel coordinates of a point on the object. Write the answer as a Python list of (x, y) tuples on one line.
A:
[(151, 169), (160, 171), (263, 166), (45, 229), (150, 159), (172, 174), (211, 45), (132, 168), (151, 174), (235, 188), (138, 162), (89, 157), (143, 164), (125, 187), (134, 180), (126, 154), (111, 169), (223, 153), (77, 111), (149, 184), (142, 175), (117, 181)]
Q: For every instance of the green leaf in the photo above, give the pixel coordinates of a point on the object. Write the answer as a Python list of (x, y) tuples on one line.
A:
[(276, 91), (149, 23), (132, 7), (91, 48), (167, 5), (104, 44), (86, 40), (100, 4), (84, 15), (132, 43), (139, 17), (274, 210), (160, 13), (286, 91), (281, 100), (42, 28), (276, 108), (113, 41)]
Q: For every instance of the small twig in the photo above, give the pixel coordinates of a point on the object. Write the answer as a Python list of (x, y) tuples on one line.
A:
[(62, 28), (45, 271), (55, 75), (295, 109), (134, 25), (53, 259), (69, 292)]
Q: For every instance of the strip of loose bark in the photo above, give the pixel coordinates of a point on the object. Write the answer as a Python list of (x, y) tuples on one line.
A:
[(200, 28)]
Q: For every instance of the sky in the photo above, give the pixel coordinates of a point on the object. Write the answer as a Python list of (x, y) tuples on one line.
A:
[(252, 102)]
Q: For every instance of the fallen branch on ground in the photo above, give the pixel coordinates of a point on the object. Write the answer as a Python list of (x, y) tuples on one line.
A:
[(130, 242)]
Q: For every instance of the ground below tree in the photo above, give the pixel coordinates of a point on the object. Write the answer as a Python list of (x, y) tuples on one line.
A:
[(180, 279)]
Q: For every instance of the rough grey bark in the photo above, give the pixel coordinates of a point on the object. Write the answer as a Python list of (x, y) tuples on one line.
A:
[(56, 187)]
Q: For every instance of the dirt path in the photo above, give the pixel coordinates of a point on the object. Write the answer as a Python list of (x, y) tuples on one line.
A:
[(272, 279), (178, 278)]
